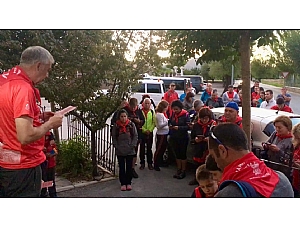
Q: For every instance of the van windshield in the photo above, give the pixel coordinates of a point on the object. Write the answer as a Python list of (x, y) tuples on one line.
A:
[(180, 84)]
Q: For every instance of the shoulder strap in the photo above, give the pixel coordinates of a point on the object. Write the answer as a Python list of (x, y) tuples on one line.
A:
[(247, 190)]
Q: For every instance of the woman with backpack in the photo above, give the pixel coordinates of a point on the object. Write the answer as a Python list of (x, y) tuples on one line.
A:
[(124, 138)]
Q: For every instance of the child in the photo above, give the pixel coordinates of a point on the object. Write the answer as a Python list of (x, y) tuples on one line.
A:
[(48, 167), (213, 168), (207, 185), (124, 138)]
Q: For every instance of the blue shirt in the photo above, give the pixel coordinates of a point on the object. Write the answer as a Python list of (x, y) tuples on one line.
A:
[(285, 102), (182, 96)]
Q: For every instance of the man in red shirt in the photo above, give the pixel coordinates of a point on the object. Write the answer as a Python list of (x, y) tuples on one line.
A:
[(22, 126), (280, 105), (231, 114), (170, 96), (243, 172)]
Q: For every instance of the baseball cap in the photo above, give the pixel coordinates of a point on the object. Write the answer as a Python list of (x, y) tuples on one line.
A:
[(233, 105)]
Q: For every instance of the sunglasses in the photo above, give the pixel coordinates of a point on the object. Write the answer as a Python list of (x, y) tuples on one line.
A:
[(215, 138)]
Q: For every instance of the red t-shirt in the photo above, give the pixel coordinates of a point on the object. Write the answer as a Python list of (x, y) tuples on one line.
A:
[(285, 108), (170, 96), (18, 97)]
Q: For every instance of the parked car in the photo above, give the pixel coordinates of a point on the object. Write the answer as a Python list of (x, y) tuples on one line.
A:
[(154, 88), (197, 82)]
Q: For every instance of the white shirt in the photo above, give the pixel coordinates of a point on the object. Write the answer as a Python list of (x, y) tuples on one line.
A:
[(268, 105), (161, 124)]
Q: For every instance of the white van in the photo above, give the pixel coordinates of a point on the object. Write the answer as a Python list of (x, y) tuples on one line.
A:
[(181, 83), (154, 88)]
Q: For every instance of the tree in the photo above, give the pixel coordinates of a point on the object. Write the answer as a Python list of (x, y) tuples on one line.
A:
[(85, 60), (205, 71), (215, 45), (147, 58), (262, 69)]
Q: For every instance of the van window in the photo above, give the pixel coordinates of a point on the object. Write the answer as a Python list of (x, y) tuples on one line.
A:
[(153, 88), (139, 88), (180, 84), (269, 129)]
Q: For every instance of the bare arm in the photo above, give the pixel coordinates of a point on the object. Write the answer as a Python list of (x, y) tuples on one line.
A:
[(26, 133)]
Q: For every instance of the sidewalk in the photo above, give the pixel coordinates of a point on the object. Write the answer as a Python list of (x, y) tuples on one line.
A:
[(62, 184)]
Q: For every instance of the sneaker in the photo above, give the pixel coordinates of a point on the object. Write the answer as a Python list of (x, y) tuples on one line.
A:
[(193, 182), (123, 188), (129, 188), (134, 174), (181, 175), (150, 167), (177, 173), (156, 168)]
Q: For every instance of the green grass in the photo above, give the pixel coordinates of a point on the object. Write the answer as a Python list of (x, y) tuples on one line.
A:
[(274, 84)]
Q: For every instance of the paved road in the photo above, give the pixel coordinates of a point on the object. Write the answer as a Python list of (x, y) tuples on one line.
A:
[(149, 184)]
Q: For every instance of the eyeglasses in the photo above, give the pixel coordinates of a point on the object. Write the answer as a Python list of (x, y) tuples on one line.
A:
[(215, 138)]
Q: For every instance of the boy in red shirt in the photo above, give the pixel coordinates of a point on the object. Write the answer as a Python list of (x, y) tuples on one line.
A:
[(48, 167), (281, 106), (207, 185)]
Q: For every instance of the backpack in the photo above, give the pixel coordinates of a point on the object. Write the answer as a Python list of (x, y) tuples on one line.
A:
[(247, 189)]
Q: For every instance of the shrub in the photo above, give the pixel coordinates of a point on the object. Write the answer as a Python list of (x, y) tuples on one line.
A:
[(74, 159)]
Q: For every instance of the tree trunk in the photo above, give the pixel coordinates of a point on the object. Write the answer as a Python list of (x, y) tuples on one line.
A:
[(94, 154), (55, 131), (227, 82), (245, 66)]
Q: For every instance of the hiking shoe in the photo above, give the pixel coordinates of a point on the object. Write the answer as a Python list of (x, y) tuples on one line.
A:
[(123, 188), (128, 187), (150, 167), (134, 174), (177, 173), (181, 175), (142, 166), (156, 168), (193, 182)]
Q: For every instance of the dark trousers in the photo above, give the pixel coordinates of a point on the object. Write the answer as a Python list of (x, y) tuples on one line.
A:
[(48, 174), (125, 169), (161, 146), (146, 139), (179, 146), (20, 182)]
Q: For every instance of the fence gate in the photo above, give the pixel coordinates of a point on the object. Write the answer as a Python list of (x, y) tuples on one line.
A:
[(105, 152)]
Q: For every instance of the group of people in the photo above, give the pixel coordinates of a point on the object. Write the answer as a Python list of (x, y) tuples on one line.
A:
[(265, 99), (231, 170), (133, 126), (225, 166)]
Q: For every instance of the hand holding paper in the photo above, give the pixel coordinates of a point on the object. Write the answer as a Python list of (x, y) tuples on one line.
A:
[(65, 110)]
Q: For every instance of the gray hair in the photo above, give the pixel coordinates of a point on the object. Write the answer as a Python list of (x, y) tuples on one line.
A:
[(147, 99), (34, 54), (198, 103)]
